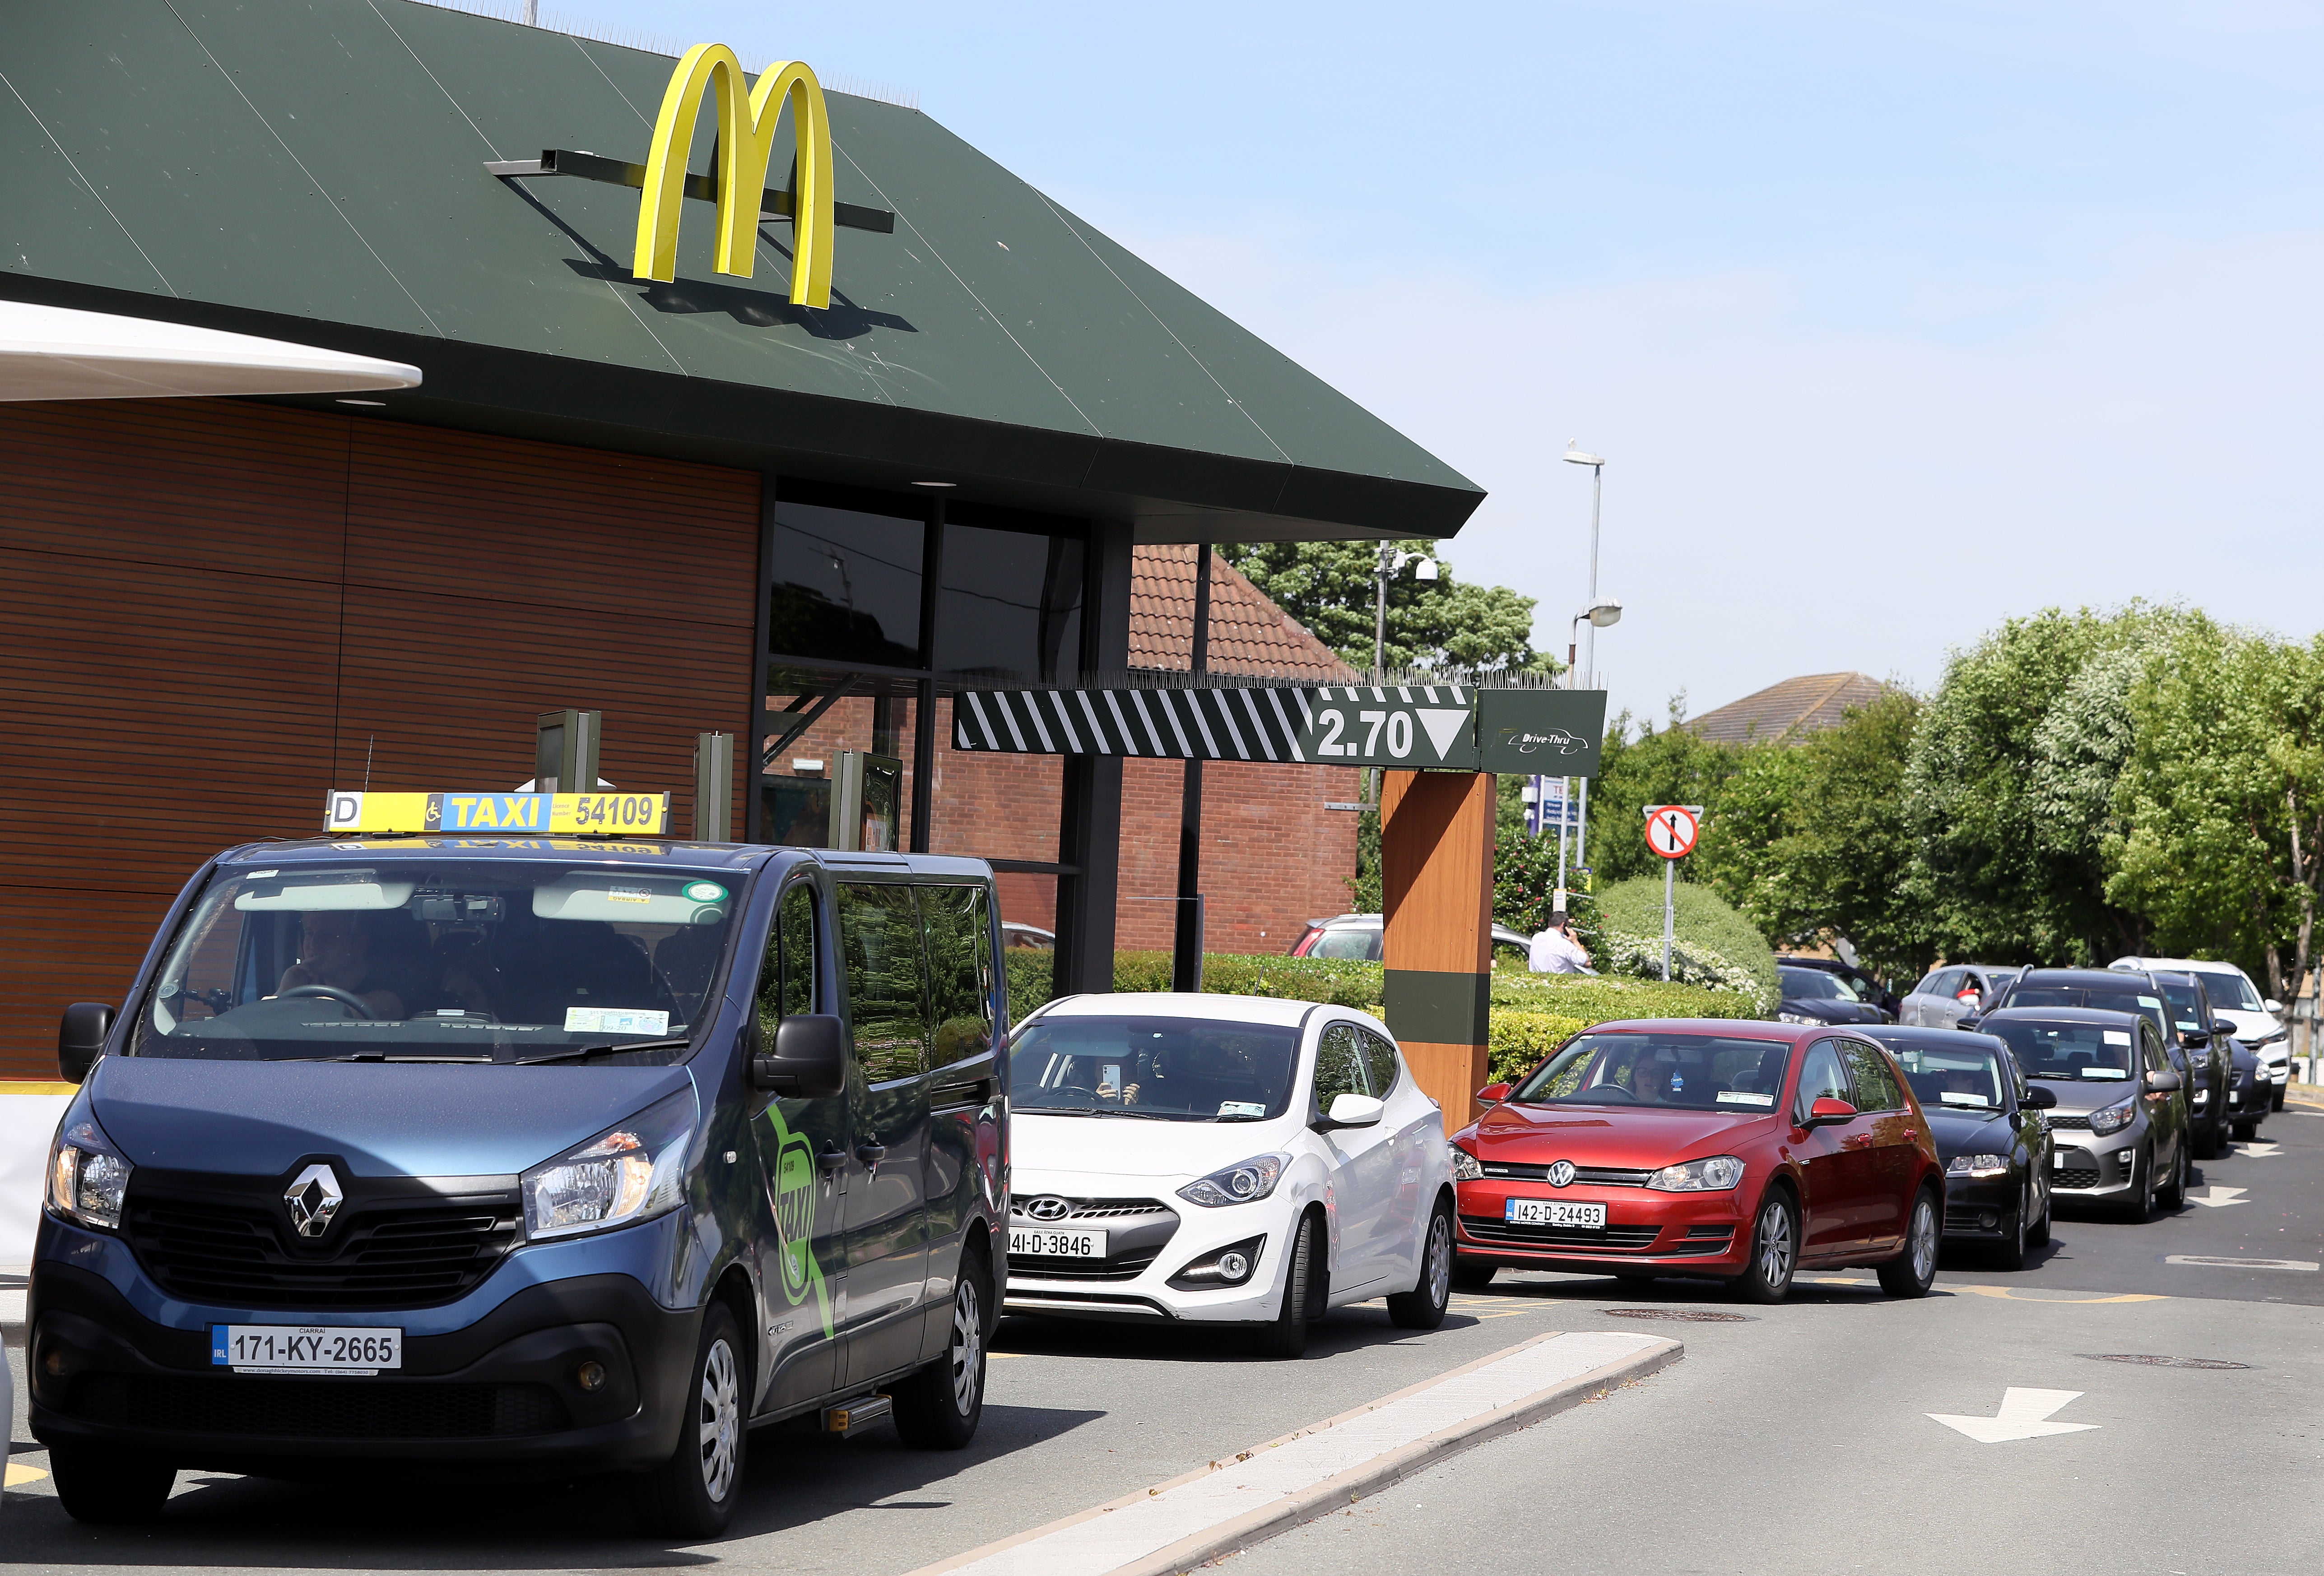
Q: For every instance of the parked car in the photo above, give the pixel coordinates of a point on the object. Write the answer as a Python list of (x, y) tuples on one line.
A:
[(1357, 937), (1990, 1134), (1222, 1160), (2258, 1020), (1017, 934), (2251, 1095), (1820, 996), (2204, 1069), (2119, 1129), (1945, 996), (1742, 1151), (1867, 987), (2210, 1060), (525, 1157)]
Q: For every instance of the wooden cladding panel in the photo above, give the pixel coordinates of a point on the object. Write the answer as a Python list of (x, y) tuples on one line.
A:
[(208, 611), (1436, 870), (187, 483)]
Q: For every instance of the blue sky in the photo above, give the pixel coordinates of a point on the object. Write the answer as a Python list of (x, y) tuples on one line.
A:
[(1892, 321)]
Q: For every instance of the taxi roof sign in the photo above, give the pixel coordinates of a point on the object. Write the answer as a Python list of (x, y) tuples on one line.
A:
[(604, 814)]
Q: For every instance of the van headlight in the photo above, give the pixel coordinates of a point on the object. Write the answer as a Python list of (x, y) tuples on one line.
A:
[(629, 1173), (1244, 1181), (87, 1176), (1716, 1174)]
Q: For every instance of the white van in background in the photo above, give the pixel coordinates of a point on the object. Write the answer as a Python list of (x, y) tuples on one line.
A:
[(2258, 1020)]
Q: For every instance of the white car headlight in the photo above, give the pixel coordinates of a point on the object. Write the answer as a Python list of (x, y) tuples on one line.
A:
[(87, 1177), (1716, 1174), (629, 1173), (1244, 1181), (1464, 1165), (1978, 1165)]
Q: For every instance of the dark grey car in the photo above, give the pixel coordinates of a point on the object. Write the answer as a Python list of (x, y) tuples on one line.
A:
[(2120, 1124)]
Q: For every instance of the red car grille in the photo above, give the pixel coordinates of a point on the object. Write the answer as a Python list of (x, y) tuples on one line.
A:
[(1615, 1239)]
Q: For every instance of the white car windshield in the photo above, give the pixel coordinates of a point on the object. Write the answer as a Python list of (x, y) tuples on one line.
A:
[(2230, 991), (1176, 1069), (461, 959)]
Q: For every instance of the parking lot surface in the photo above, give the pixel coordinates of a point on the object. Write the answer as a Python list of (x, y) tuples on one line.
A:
[(1763, 1447)]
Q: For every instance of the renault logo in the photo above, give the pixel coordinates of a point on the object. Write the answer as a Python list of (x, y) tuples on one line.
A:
[(1051, 1208), (313, 1199), (1561, 1173)]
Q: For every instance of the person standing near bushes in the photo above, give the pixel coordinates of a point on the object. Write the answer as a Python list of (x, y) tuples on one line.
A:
[(1555, 951)]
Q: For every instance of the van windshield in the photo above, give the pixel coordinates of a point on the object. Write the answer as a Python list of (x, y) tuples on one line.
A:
[(1180, 1069), (462, 961)]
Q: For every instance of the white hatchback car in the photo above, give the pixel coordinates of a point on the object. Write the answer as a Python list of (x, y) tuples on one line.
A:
[(1223, 1159)]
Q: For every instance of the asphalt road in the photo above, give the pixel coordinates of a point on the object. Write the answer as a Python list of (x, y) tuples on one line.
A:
[(1791, 1436)]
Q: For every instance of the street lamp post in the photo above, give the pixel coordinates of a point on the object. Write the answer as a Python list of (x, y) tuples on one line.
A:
[(1597, 463)]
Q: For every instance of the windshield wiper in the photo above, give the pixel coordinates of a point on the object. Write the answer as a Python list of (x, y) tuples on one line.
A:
[(383, 1056), (583, 1053), (1092, 1111)]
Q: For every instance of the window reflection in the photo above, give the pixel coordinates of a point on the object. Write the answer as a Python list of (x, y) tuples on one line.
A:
[(846, 585), (1012, 604)]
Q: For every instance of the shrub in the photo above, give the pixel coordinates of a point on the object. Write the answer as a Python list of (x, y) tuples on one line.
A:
[(1534, 1014), (1716, 945)]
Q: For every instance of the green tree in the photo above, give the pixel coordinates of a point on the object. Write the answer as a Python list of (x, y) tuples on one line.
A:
[(2218, 812), (1440, 623)]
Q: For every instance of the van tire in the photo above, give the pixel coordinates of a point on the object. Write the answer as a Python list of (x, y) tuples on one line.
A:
[(1422, 1307), (692, 1494), (1285, 1338), (105, 1488), (939, 1407)]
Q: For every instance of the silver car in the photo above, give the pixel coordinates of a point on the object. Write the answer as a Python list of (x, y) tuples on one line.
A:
[(1952, 993), (2120, 1125)]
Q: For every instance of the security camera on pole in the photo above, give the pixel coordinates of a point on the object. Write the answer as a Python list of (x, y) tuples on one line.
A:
[(1671, 832)]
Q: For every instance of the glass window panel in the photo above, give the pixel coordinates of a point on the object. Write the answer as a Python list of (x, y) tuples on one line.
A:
[(1875, 1088), (1821, 1077), (1380, 1063), (960, 971), (1339, 1065), (1010, 604), (880, 947), (846, 585)]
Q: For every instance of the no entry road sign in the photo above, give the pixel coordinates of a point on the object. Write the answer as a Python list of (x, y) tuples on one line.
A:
[(1672, 829)]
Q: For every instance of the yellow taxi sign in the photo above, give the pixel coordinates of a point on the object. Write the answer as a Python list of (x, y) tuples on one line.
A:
[(637, 814)]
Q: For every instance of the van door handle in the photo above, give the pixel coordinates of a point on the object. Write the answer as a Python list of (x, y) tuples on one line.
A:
[(871, 1151), (830, 1157)]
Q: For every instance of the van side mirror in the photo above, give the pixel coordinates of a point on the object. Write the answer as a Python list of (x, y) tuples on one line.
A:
[(1827, 1110), (2040, 1098), (2162, 1083), (1493, 1093), (81, 1038), (1352, 1111), (810, 1059), (2223, 1027)]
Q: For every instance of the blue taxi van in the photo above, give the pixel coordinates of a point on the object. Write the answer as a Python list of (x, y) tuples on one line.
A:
[(525, 1156)]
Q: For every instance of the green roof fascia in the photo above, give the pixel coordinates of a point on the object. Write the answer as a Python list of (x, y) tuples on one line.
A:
[(317, 166)]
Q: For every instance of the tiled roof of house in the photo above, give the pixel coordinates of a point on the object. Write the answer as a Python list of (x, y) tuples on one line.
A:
[(1250, 634), (1791, 710)]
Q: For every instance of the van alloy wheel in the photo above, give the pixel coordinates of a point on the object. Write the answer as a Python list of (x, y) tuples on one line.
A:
[(719, 1420), (966, 1357)]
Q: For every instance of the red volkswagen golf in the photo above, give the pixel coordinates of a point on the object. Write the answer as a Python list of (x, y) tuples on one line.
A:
[(1745, 1151)]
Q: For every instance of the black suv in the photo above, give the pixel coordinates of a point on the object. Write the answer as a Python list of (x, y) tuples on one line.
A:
[(2203, 1059)]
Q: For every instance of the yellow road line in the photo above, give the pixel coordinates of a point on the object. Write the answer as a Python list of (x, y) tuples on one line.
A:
[(18, 1476), (2033, 1294)]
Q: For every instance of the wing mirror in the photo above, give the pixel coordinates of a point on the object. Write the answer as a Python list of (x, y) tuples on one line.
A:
[(2162, 1083), (81, 1038), (810, 1059), (1352, 1111), (1493, 1093), (2040, 1098), (1827, 1110), (2273, 1005), (2224, 1026)]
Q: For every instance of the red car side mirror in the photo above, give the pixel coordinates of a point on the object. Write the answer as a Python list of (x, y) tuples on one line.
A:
[(1493, 1093), (1828, 1110)]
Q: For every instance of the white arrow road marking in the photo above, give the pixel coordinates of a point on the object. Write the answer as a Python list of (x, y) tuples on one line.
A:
[(2259, 1151), (2024, 1414), (2216, 1261), (2221, 1197), (1443, 726)]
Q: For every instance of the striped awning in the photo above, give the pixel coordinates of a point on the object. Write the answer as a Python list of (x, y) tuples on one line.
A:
[(1403, 725)]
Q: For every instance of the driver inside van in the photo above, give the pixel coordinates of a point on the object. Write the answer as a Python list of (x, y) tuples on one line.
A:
[(334, 955)]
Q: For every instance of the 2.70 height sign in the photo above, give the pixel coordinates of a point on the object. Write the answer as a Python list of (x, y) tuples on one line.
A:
[(1378, 725)]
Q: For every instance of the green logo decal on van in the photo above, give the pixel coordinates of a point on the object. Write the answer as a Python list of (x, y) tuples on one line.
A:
[(795, 1184)]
